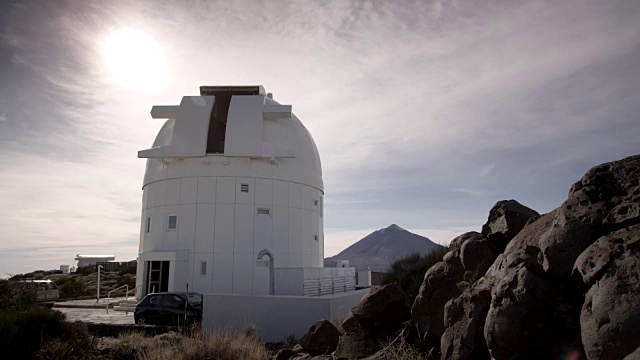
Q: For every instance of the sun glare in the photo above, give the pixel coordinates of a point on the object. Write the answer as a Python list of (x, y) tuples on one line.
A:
[(135, 60)]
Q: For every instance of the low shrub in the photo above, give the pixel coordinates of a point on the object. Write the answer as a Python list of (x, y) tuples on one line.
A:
[(86, 270), (24, 333), (16, 297), (223, 345), (128, 270), (409, 271), (126, 279), (71, 288), (35, 275)]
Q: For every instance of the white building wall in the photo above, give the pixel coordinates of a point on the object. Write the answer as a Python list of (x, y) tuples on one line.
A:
[(219, 224)]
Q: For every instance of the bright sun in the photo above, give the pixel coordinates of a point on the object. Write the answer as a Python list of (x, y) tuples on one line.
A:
[(135, 60)]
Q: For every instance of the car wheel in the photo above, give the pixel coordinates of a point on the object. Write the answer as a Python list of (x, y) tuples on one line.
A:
[(141, 321)]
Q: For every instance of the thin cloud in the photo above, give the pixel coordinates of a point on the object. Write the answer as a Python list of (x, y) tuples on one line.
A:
[(419, 110)]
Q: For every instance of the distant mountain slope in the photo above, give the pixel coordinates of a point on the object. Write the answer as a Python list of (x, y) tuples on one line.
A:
[(381, 248)]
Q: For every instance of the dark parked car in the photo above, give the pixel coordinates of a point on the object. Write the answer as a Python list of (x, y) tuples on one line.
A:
[(169, 308)]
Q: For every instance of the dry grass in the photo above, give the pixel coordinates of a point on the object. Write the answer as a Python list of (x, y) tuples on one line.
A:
[(399, 349), (173, 346)]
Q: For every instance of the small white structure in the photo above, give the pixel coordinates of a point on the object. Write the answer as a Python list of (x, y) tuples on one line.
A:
[(64, 269), (89, 260), (234, 176)]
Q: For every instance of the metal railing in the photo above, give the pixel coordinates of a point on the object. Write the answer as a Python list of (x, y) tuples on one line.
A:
[(126, 297)]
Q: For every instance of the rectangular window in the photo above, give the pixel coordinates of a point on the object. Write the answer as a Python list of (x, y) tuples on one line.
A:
[(264, 211), (315, 237), (315, 202), (172, 222), (203, 268), (148, 225), (244, 188)]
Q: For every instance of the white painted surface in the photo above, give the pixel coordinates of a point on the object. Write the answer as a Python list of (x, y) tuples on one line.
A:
[(189, 135), (244, 126), (275, 317)]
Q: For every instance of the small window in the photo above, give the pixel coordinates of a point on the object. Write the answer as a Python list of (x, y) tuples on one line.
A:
[(203, 268), (244, 188), (315, 202), (148, 225), (264, 211), (172, 222), (315, 237)]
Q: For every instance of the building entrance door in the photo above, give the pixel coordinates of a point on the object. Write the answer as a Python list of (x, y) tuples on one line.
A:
[(157, 276)]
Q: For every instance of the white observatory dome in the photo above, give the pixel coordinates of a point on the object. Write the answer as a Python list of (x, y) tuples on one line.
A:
[(231, 172)]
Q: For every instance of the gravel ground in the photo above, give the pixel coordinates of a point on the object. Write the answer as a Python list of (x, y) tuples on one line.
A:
[(98, 316)]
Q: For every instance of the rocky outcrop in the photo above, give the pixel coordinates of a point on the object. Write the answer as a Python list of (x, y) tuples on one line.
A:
[(469, 257), (377, 317), (383, 309), (569, 279), (463, 337), (322, 338), (565, 284), (528, 308), (610, 317), (506, 219)]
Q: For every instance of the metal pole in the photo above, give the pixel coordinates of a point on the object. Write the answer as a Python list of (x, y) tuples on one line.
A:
[(185, 305), (98, 294)]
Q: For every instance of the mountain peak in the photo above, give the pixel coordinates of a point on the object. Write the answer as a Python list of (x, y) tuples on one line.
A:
[(380, 248), (392, 227)]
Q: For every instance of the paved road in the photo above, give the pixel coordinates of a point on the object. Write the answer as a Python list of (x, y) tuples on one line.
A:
[(97, 315), (90, 311)]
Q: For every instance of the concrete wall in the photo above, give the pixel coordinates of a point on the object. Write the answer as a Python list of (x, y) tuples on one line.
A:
[(275, 317)]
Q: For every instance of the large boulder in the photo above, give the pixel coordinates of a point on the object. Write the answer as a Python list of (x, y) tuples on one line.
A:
[(581, 218), (377, 318), (463, 337), (322, 338), (465, 316), (610, 318), (440, 285), (381, 310), (477, 253), (528, 308), (506, 219), (468, 258)]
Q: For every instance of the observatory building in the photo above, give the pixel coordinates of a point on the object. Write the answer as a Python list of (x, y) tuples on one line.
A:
[(231, 173), (233, 176)]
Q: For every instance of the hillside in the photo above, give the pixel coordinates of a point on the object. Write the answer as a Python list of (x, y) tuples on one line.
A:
[(381, 248)]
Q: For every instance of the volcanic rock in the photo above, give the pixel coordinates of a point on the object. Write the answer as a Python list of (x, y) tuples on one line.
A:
[(610, 318), (506, 219), (322, 338), (382, 310)]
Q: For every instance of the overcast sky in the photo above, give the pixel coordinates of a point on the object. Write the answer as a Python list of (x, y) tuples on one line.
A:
[(425, 113)]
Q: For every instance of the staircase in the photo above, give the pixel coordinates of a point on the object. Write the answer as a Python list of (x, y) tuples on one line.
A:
[(127, 305)]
